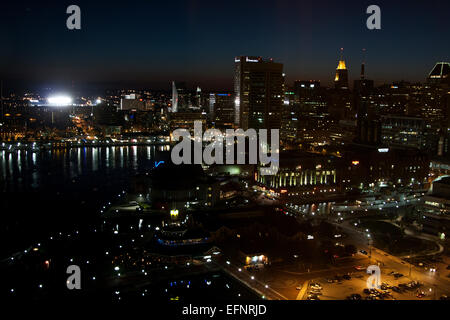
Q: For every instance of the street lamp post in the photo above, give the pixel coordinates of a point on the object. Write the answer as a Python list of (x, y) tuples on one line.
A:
[(410, 264), (369, 242)]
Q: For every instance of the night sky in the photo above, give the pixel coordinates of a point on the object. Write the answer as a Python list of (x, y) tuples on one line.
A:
[(149, 43)]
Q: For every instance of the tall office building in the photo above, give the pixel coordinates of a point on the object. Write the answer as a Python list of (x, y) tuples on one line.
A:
[(309, 97), (174, 97), (368, 128), (198, 103), (363, 86), (222, 113), (258, 87), (341, 78), (362, 93), (302, 87), (181, 97)]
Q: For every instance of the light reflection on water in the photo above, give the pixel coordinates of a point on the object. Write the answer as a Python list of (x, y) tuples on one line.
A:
[(24, 170)]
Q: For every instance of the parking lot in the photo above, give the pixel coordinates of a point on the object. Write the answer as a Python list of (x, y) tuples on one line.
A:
[(353, 286)]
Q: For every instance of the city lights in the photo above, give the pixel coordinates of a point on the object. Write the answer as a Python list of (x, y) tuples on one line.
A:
[(156, 163)]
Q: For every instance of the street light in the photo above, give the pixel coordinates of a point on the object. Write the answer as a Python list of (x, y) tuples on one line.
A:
[(369, 242), (410, 264)]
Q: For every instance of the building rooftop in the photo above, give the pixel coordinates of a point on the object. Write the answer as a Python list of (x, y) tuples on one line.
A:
[(341, 65), (440, 71), (443, 180)]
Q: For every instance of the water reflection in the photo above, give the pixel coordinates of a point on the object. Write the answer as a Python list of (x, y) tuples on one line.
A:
[(22, 170)]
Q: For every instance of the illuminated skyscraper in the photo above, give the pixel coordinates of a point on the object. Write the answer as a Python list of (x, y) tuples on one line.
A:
[(174, 97), (340, 102), (258, 87), (181, 97), (341, 79)]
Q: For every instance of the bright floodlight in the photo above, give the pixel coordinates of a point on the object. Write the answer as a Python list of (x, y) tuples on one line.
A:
[(60, 100)]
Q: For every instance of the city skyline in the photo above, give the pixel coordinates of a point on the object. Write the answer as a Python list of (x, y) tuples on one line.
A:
[(185, 152), (193, 42), (83, 88)]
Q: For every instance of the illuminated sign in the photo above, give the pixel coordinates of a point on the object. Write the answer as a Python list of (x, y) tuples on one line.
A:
[(157, 163)]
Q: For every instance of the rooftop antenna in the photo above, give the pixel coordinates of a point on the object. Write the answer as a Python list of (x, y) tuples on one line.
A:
[(363, 64)]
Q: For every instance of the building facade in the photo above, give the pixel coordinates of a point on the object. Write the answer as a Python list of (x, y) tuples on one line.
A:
[(258, 86)]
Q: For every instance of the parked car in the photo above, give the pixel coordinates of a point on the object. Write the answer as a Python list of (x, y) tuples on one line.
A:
[(374, 292), (385, 286), (396, 289)]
